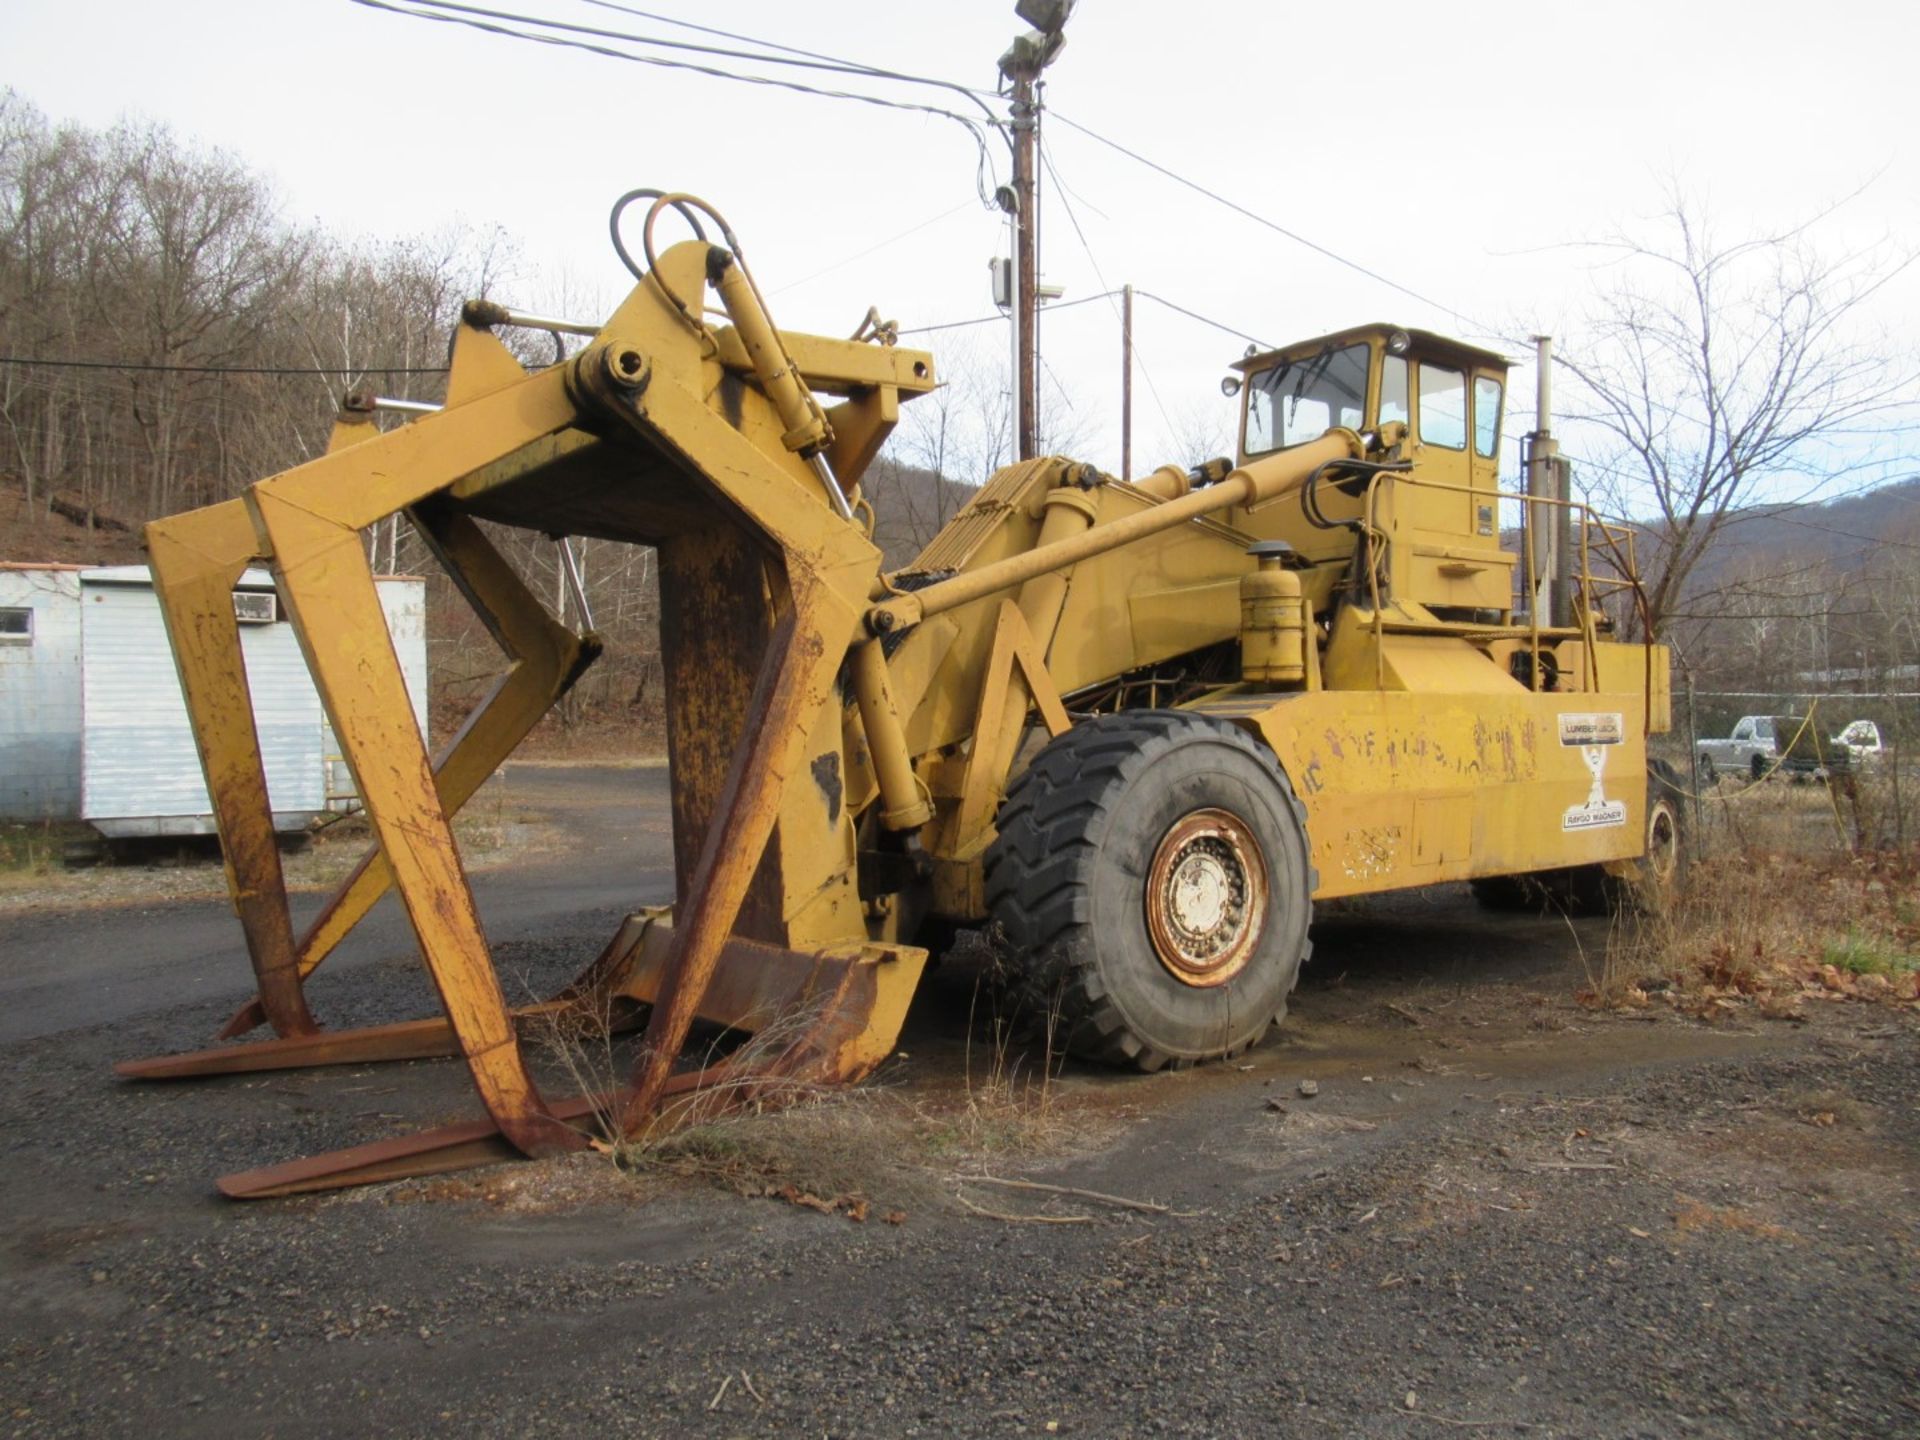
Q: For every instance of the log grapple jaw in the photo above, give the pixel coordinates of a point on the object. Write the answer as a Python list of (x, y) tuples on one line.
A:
[(708, 442)]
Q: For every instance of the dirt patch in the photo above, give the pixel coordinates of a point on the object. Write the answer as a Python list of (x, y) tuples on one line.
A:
[(1693, 1216)]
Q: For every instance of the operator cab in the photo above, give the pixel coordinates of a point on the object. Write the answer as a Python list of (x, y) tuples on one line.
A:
[(1433, 401), (1447, 393)]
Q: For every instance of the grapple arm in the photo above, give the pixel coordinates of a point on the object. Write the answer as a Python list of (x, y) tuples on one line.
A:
[(706, 443)]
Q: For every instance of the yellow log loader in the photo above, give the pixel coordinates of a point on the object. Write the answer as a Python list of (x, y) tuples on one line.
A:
[(1134, 727)]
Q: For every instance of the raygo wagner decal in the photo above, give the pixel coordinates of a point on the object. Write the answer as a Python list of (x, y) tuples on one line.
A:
[(1595, 735)]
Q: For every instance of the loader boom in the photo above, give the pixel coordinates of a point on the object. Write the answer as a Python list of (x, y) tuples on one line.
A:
[(1329, 624)]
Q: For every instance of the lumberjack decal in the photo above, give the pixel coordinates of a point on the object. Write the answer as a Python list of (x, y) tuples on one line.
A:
[(1595, 735)]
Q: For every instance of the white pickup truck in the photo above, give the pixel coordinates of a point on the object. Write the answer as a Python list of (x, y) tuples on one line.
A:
[(1749, 749), (1752, 748), (1862, 739)]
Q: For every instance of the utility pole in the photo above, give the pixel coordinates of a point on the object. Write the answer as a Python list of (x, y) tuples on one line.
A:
[(1021, 66), (1126, 382), (1026, 304)]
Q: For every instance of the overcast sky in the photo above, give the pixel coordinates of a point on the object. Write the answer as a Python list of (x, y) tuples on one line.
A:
[(1453, 149)]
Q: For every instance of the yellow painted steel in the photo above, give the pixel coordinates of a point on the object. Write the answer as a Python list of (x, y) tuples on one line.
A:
[(196, 561), (841, 740), (1273, 627)]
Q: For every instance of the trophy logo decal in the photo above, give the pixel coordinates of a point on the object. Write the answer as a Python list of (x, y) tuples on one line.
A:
[(1595, 735)]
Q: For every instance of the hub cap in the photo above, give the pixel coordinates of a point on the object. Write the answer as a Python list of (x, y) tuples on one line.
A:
[(1206, 898)]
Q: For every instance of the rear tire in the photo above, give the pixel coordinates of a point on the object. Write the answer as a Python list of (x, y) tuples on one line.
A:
[(1757, 768), (1660, 874), (1152, 884)]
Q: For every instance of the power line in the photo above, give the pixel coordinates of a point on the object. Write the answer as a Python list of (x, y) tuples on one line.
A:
[(1146, 372), (832, 62), (470, 17), (1138, 293), (871, 249), (1272, 225), (1194, 315), (224, 369), (990, 319)]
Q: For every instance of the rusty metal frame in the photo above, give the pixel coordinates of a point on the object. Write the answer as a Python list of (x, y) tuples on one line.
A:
[(306, 524), (196, 560)]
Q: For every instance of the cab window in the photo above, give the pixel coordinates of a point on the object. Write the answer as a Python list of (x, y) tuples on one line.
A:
[(1486, 415), (1443, 407), (1743, 731), (1300, 400), (1393, 390)]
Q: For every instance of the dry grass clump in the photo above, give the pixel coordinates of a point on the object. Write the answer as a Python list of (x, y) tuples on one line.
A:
[(31, 852), (1772, 929), (760, 1128)]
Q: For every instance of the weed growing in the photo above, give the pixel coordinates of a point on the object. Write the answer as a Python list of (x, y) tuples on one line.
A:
[(1863, 954), (759, 1127), (1773, 929)]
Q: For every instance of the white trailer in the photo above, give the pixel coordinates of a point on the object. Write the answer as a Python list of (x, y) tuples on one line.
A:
[(140, 774), (93, 725), (40, 692)]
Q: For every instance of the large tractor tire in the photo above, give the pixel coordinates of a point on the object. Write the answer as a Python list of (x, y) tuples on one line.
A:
[(1152, 885)]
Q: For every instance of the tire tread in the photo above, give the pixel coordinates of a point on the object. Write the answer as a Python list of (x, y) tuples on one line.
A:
[(1040, 869)]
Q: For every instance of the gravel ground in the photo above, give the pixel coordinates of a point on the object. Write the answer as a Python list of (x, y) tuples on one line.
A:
[(1499, 1212)]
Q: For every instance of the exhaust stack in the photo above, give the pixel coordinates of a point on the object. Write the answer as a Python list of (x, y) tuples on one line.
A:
[(1549, 525)]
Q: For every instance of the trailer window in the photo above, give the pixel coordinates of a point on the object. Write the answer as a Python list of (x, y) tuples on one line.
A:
[(1486, 415), (1443, 407), (16, 625), (1300, 400)]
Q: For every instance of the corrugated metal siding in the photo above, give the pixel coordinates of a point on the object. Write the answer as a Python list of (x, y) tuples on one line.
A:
[(405, 601), (138, 758), (136, 753), (40, 699)]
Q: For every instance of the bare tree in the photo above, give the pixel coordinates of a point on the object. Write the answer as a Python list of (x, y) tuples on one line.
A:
[(1201, 431), (1732, 378)]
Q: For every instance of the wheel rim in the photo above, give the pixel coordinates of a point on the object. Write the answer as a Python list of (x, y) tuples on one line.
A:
[(1207, 898), (1663, 842)]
